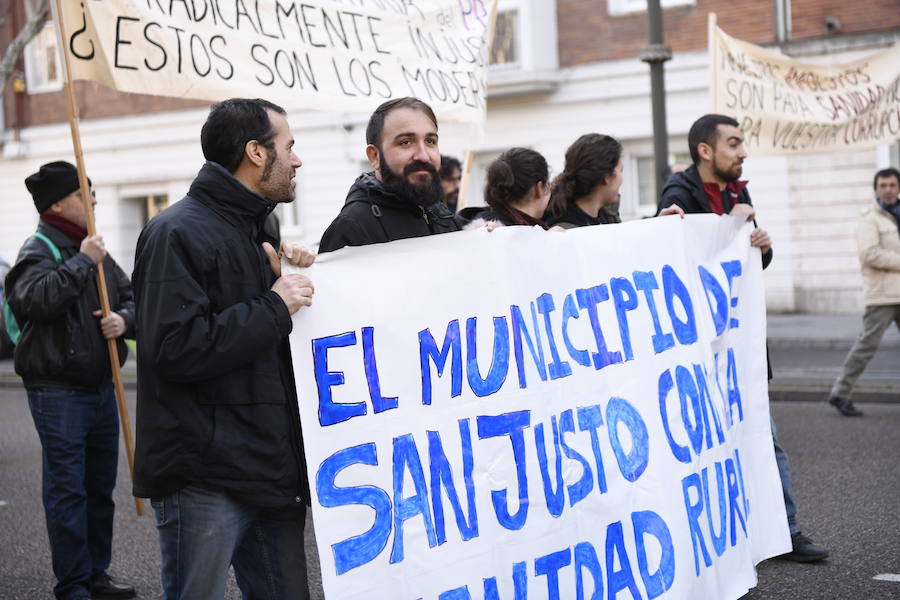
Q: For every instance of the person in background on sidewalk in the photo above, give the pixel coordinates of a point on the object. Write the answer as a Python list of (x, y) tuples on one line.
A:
[(711, 185), (63, 359), (401, 197), (451, 176), (878, 244), (219, 451)]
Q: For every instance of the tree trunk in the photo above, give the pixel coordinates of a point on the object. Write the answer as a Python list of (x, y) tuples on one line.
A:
[(38, 12)]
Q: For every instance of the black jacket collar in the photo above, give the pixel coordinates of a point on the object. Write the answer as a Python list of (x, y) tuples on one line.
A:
[(578, 218), (367, 188), (215, 187), (689, 180)]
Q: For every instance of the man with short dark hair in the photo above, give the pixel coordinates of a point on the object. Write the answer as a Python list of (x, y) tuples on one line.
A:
[(451, 176), (712, 185), (219, 451), (401, 197), (63, 359), (878, 243)]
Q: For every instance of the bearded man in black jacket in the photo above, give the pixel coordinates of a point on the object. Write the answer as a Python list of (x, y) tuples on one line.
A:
[(219, 451), (401, 197)]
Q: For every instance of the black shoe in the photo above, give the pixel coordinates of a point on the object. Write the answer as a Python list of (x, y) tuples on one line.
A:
[(103, 587), (804, 550), (845, 407)]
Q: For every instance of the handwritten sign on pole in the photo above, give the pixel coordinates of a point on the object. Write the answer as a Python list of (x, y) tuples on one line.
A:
[(562, 415), (786, 106), (345, 55)]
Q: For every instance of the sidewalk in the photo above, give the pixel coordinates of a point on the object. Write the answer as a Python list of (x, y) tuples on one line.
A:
[(806, 351)]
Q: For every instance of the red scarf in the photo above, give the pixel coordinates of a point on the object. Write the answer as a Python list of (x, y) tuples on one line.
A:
[(522, 218), (74, 232), (714, 194)]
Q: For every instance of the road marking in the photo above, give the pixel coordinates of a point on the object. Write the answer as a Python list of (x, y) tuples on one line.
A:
[(3, 503), (888, 577)]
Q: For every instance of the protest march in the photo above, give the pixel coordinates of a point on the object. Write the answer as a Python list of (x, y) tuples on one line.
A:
[(553, 398)]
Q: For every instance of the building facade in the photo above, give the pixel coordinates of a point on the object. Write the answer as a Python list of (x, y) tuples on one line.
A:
[(560, 69)]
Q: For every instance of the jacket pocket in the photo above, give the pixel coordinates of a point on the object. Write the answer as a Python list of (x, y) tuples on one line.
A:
[(258, 383), (250, 442)]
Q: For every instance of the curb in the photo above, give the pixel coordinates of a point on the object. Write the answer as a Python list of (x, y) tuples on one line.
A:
[(786, 393), (795, 344)]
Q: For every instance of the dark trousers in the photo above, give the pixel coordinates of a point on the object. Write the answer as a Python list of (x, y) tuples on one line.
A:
[(79, 434), (203, 532)]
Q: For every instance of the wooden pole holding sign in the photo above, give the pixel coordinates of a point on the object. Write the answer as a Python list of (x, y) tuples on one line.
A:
[(72, 111), (470, 154), (713, 57)]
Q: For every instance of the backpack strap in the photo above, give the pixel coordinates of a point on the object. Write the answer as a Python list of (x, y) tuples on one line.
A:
[(53, 249), (13, 330)]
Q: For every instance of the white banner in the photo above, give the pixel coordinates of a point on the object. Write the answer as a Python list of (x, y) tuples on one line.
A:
[(787, 106), (338, 55), (563, 414)]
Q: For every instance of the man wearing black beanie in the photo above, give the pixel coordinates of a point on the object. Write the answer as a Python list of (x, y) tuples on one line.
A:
[(63, 359)]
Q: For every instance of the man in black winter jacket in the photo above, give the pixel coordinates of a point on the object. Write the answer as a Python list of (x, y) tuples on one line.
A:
[(219, 449), (711, 185), (63, 359), (401, 197)]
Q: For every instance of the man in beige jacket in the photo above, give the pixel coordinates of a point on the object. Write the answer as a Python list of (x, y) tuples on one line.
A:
[(878, 241)]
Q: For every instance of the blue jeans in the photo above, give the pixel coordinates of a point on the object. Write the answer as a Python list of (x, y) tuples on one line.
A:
[(202, 532), (784, 471), (79, 434)]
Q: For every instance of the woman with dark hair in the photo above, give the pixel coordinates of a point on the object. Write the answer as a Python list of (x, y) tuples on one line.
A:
[(516, 192), (587, 191)]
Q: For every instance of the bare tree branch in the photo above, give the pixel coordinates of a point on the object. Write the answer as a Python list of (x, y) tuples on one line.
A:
[(38, 12)]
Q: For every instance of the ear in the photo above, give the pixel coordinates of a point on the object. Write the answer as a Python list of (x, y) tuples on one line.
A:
[(373, 156), (705, 151), (255, 153), (56, 208)]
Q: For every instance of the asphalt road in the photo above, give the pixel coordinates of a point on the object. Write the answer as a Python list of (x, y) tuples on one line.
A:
[(846, 483)]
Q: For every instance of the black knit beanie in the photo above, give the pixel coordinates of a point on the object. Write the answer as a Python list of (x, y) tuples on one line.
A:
[(53, 182)]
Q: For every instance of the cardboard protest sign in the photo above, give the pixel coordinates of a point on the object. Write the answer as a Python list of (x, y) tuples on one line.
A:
[(338, 55), (787, 106), (562, 415)]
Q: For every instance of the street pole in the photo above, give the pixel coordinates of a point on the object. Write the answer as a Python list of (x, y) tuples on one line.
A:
[(656, 54)]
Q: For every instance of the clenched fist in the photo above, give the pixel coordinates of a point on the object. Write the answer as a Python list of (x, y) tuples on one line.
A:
[(93, 247)]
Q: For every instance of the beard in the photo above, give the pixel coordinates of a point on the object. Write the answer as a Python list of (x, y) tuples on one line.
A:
[(423, 194), (277, 189), (727, 175)]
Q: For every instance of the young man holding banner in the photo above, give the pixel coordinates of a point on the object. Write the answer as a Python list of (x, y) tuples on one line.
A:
[(401, 197), (219, 451), (712, 185), (63, 358)]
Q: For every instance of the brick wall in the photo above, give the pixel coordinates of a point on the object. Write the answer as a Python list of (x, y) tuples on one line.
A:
[(94, 101), (808, 16), (587, 32)]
